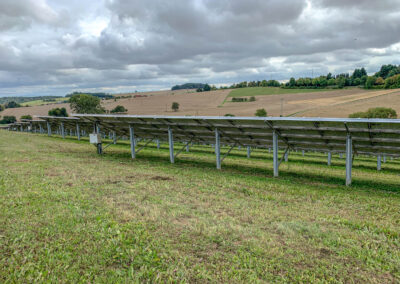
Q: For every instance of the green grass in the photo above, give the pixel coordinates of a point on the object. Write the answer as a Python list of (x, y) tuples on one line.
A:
[(69, 215), (43, 102), (265, 91)]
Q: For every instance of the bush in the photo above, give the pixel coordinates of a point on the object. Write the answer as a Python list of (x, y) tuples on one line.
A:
[(175, 106), (119, 109), (239, 100), (60, 112), (2, 107), (28, 116), (8, 119), (252, 99), (229, 114), (378, 112), (261, 112)]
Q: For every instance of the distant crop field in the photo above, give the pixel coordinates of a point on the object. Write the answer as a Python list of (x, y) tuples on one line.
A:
[(69, 215), (264, 91)]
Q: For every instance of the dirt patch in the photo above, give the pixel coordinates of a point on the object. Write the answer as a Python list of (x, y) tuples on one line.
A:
[(160, 178)]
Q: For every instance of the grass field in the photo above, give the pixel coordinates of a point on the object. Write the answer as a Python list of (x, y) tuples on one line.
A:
[(264, 91), (43, 102), (69, 215)]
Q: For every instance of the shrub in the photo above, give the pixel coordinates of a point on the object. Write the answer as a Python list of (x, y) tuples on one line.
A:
[(60, 112), (252, 99), (378, 112), (119, 108), (239, 100), (229, 114), (261, 112), (8, 119), (28, 116)]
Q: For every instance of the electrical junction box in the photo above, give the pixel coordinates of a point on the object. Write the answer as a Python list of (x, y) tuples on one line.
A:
[(94, 138)]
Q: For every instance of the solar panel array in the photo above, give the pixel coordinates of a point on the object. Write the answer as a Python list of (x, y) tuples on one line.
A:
[(369, 136), (333, 135)]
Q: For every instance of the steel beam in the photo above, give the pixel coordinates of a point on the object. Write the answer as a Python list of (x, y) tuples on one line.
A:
[(217, 149), (275, 153), (132, 140), (171, 145), (349, 159)]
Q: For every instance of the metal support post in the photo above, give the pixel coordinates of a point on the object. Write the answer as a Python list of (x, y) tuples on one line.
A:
[(62, 130), (48, 129), (158, 143), (132, 140), (248, 151), (217, 149), (379, 162), (171, 146), (329, 158), (78, 131), (349, 159), (275, 153)]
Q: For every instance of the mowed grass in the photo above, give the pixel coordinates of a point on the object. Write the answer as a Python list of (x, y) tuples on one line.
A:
[(69, 215), (265, 91)]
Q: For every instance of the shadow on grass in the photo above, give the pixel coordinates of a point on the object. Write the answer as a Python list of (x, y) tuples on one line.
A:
[(294, 177)]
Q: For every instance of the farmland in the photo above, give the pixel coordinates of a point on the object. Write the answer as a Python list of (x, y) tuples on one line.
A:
[(69, 215), (276, 101)]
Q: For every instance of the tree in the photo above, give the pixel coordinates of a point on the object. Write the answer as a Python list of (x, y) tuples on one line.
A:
[(8, 119), (28, 116), (261, 112), (370, 82), (60, 112), (252, 99), (119, 108), (82, 103), (292, 82), (175, 106), (2, 107), (12, 104), (206, 88), (229, 114)]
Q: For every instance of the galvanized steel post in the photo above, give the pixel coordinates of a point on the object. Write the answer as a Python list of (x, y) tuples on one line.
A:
[(132, 140), (171, 146), (248, 151), (217, 149), (379, 162), (329, 158), (78, 131), (349, 159), (275, 153)]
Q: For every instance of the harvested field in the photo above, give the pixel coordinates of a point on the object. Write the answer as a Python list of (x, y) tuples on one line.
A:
[(315, 103)]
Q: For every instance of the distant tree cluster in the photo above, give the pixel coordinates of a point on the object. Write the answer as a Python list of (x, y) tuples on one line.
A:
[(206, 88), (8, 119), (263, 83), (97, 95), (119, 109), (60, 112), (261, 112), (378, 112), (12, 104), (188, 86)]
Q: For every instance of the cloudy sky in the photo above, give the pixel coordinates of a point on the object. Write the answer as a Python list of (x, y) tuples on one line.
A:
[(53, 47)]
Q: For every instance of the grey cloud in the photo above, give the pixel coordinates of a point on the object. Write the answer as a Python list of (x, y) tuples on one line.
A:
[(161, 43)]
